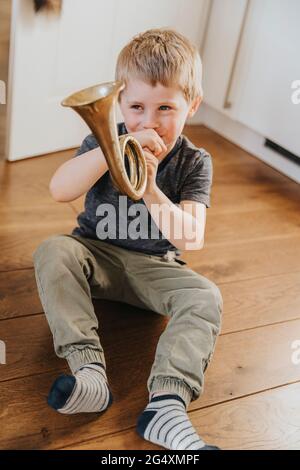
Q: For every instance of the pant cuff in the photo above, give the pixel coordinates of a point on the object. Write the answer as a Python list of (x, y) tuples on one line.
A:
[(80, 357), (171, 385)]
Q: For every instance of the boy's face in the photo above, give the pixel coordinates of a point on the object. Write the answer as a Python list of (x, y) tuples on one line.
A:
[(163, 109)]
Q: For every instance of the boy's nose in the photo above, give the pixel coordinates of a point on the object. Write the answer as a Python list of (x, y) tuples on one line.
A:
[(150, 122)]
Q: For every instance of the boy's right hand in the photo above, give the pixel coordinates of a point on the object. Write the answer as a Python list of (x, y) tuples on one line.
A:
[(149, 139)]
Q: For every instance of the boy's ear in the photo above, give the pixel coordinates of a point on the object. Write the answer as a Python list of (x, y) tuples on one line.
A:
[(195, 105)]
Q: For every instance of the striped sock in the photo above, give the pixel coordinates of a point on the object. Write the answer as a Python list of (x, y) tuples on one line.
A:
[(85, 392), (165, 422)]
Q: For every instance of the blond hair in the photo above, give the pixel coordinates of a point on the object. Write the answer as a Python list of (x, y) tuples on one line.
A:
[(164, 56)]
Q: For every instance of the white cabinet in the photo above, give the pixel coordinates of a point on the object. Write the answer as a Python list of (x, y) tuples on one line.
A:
[(269, 64), (255, 64)]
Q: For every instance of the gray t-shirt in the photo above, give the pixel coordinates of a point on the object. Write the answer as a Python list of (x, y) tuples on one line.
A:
[(184, 174)]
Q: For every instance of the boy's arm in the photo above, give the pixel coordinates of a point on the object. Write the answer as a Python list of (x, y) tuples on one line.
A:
[(183, 226), (76, 176)]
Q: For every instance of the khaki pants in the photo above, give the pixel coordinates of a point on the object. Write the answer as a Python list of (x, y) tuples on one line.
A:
[(71, 270)]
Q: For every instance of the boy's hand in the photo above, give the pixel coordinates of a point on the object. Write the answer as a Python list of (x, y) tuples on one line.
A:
[(149, 139)]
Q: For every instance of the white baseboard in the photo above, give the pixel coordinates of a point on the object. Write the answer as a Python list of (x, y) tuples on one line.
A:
[(247, 139)]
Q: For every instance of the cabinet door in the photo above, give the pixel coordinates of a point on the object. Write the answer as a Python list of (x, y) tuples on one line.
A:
[(219, 49), (269, 62)]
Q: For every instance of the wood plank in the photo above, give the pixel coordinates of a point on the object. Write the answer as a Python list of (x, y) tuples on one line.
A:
[(250, 172), (26, 182), (267, 421), (244, 363), (241, 197), (262, 301), (239, 261), (264, 225), (30, 169), (22, 231), (19, 294)]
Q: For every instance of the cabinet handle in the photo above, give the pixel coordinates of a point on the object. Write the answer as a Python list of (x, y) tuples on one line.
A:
[(207, 22), (227, 103)]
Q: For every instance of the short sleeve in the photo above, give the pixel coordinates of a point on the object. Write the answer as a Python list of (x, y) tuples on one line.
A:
[(197, 185), (89, 143)]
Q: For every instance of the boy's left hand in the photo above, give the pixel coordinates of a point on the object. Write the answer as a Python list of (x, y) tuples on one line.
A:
[(152, 165)]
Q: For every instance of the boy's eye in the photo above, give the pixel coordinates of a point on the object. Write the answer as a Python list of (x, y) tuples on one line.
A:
[(136, 106)]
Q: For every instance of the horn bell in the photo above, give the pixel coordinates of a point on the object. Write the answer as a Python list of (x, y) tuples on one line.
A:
[(96, 105)]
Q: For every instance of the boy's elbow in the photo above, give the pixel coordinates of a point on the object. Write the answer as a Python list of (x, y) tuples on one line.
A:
[(55, 193)]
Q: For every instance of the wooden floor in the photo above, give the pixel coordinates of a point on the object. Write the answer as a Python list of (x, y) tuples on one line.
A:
[(252, 251)]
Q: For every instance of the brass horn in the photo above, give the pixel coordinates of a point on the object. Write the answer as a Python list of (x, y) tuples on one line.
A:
[(96, 105)]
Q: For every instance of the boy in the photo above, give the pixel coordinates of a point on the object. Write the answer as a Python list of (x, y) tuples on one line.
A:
[(162, 73)]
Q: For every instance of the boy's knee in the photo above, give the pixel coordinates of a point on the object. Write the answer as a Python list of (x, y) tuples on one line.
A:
[(209, 291), (50, 248), (208, 288)]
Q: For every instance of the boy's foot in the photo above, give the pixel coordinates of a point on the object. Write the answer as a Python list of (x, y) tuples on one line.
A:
[(165, 422), (85, 392)]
